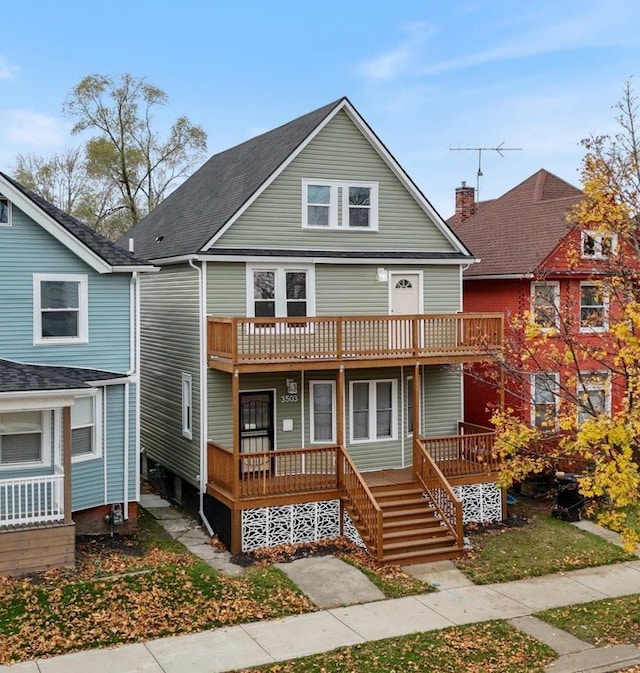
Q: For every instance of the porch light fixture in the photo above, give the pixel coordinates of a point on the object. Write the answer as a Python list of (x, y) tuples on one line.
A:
[(292, 387), (382, 275)]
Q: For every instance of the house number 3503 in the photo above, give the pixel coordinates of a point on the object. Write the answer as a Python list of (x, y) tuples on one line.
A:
[(288, 398)]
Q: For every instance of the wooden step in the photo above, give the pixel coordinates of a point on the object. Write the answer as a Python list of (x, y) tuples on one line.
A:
[(414, 510), (442, 540), (413, 534), (411, 523), (420, 556), (396, 492)]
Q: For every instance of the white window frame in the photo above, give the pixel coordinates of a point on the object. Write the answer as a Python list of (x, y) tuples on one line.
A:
[(372, 383), (594, 386), (281, 271), (408, 403), (186, 387), (550, 375), (9, 221), (96, 439), (556, 302), (45, 447), (586, 329), (339, 204), (312, 438), (83, 308), (597, 237)]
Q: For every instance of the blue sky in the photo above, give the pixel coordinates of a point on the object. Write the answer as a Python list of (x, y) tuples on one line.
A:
[(426, 75)]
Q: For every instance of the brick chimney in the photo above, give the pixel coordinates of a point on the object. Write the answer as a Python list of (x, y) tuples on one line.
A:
[(465, 203)]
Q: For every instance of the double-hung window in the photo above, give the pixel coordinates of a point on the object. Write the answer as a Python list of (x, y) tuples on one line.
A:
[(25, 439), (60, 305), (597, 245), (280, 292), (544, 407), (323, 421), (373, 406), (337, 204), (5, 212), (545, 302), (593, 308), (86, 440), (594, 395)]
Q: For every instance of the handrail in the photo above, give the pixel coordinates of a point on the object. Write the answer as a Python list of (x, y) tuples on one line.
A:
[(463, 455), (32, 500), (465, 428), (364, 505), (247, 340), (439, 490)]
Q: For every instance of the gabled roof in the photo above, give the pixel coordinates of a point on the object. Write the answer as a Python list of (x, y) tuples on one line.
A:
[(20, 377), (113, 257), (513, 235), (190, 217)]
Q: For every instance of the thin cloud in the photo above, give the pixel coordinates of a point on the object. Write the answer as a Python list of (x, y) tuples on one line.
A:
[(7, 71), (390, 64), (32, 129), (595, 28)]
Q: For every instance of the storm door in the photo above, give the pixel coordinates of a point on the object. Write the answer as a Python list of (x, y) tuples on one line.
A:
[(256, 430)]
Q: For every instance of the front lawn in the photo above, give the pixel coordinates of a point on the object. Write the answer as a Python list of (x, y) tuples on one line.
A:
[(537, 545), (128, 590), (489, 647)]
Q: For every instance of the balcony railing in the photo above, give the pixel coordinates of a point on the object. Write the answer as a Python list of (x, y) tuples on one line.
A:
[(31, 500), (268, 340)]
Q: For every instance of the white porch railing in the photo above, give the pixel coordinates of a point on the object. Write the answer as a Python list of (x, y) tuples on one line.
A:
[(31, 500)]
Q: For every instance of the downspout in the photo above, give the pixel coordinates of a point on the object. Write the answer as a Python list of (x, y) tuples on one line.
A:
[(133, 362), (202, 477)]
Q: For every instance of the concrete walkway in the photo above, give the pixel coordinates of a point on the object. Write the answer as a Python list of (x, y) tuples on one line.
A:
[(353, 618)]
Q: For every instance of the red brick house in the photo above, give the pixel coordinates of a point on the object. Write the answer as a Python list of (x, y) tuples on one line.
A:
[(535, 265)]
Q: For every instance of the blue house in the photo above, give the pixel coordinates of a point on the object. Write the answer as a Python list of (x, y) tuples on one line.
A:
[(69, 314)]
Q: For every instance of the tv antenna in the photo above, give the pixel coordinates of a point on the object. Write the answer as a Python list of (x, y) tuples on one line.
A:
[(499, 149)]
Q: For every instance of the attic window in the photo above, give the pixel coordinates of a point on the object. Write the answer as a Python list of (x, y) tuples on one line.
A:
[(339, 205), (597, 245), (5, 212), (159, 239)]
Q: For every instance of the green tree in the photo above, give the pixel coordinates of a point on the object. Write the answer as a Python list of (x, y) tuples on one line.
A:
[(125, 148)]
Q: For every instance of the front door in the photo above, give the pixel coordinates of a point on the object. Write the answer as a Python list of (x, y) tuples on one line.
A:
[(404, 299), (256, 429)]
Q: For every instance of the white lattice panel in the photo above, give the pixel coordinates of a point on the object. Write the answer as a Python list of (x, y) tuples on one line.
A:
[(306, 522), (351, 532), (481, 503)]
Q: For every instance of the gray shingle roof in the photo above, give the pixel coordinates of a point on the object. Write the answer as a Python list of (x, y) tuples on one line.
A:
[(97, 243), (185, 221), (355, 254), (19, 377)]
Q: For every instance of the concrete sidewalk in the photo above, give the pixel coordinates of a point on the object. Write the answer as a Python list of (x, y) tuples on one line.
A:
[(266, 642)]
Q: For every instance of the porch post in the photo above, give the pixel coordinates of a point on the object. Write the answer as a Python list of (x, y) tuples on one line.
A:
[(416, 411), (66, 462), (340, 407), (236, 513)]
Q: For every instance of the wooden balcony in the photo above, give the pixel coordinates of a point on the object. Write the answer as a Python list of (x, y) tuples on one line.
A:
[(258, 344)]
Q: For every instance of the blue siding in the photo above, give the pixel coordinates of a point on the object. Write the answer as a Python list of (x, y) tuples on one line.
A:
[(115, 443), (25, 249)]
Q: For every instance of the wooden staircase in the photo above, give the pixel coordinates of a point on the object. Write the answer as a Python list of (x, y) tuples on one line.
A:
[(412, 532)]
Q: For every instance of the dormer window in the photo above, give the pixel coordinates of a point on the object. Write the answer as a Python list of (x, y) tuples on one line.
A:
[(597, 245), (5, 212), (341, 205)]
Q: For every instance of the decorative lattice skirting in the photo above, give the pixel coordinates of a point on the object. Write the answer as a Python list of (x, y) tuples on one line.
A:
[(481, 503), (287, 524), (351, 532)]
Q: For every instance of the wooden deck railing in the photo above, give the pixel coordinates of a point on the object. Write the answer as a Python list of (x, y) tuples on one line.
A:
[(438, 491), (270, 473), (268, 340), (362, 504), (463, 455), (31, 500)]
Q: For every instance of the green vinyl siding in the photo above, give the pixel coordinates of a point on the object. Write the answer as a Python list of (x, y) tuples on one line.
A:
[(338, 152), (26, 249), (226, 289), (170, 334)]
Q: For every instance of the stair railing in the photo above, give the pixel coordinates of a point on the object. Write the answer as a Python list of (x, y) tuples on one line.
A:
[(438, 491), (361, 502)]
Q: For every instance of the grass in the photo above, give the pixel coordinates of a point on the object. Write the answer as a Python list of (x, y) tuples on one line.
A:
[(612, 621), (489, 647), (542, 546), (124, 591), (392, 582)]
